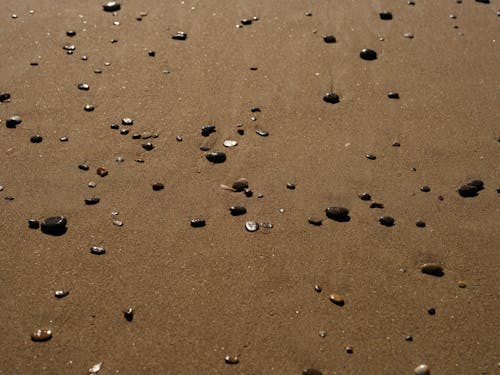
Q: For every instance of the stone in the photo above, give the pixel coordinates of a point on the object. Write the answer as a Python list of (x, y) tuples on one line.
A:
[(198, 223), (368, 54), (433, 269), (206, 130), (97, 250), (83, 87), (340, 214), (36, 139), (231, 360), (387, 221), (240, 184), (158, 186), (127, 121), (371, 157), (420, 223), (216, 157), (92, 201), (230, 143), (422, 370), (311, 371), (148, 146), (246, 21), (252, 226), (101, 171), (54, 225), (393, 95), (471, 189), (61, 293), (128, 314), (33, 224), (262, 133), (12, 121), (425, 188), (290, 186), (89, 108), (331, 97), (180, 35), (4, 97), (152, 53), (349, 349), (365, 197), (111, 6), (237, 210), (337, 299), (41, 335), (314, 221), (329, 39), (385, 15), (71, 33)]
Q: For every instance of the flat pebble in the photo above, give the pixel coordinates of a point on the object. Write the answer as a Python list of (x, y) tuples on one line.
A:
[(365, 197), (385, 15), (340, 214), (240, 185), (127, 121), (311, 371), (393, 95), (12, 121), (337, 299), (368, 54), (314, 221), (349, 349), (216, 157), (101, 171), (433, 269), (251, 226), (262, 133), (83, 167), (158, 186), (290, 186), (118, 223), (231, 360), (128, 314), (97, 250), (329, 39), (198, 222), (179, 35), (88, 107), (422, 370), (111, 6), (237, 210), (41, 335), (387, 221), (92, 201), (61, 293), (230, 143), (371, 157), (83, 86), (425, 188), (54, 225), (331, 97), (36, 139), (471, 189), (33, 224), (420, 223)]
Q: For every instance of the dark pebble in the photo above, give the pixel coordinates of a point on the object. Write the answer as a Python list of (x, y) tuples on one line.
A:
[(198, 223), (431, 311), (329, 39), (54, 225), (216, 157), (4, 96), (115, 126), (111, 6), (128, 314), (240, 184), (349, 349), (178, 138), (83, 86), (311, 371), (368, 54), (242, 131), (92, 201), (33, 224), (89, 108), (409, 338), (136, 136), (420, 224), (207, 130), (433, 269), (318, 288), (340, 214), (248, 192), (61, 293), (180, 35), (290, 186), (386, 16), (97, 71), (41, 335), (393, 95), (471, 188), (124, 131), (97, 250), (315, 221), (483, 1), (237, 210), (12, 121), (396, 144), (262, 133), (148, 146), (70, 33), (101, 171), (254, 109), (36, 139), (365, 197), (152, 53), (204, 148), (158, 186), (231, 360), (425, 188), (331, 97), (371, 156), (337, 299), (9, 198), (246, 21), (388, 221)]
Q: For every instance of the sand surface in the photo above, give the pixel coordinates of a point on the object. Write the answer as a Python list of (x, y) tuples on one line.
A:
[(200, 294)]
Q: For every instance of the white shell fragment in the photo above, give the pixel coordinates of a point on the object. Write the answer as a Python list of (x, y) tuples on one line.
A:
[(252, 226), (230, 143)]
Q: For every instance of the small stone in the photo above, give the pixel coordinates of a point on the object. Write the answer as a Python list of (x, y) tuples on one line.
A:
[(206, 130), (178, 138), (337, 299), (71, 33), (54, 225), (318, 288), (471, 189), (240, 184), (69, 47), (216, 157), (393, 95), (322, 334), (408, 35), (204, 148), (33, 224), (83, 167), (425, 188), (329, 39), (97, 250), (262, 133), (387, 221), (97, 71), (4, 97), (420, 224), (237, 210), (251, 226), (89, 108), (158, 186), (91, 184), (231, 360), (12, 121), (365, 197), (254, 109), (433, 269), (315, 221), (349, 349), (331, 97), (180, 35), (422, 370), (64, 139), (95, 369), (41, 335), (101, 171), (36, 139), (198, 223), (152, 53), (148, 146), (9, 198), (127, 121), (308, 14), (409, 338), (61, 293), (115, 126), (461, 284), (92, 201), (246, 21), (385, 15), (431, 311), (311, 371), (290, 186), (111, 6), (128, 314), (396, 144), (120, 159), (230, 143), (368, 54), (340, 214), (83, 86), (371, 157)]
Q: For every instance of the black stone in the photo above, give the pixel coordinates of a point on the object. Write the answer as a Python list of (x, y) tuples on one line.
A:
[(477, 183), (409, 338), (198, 223), (97, 250), (290, 186), (12, 121), (483, 1), (178, 138), (471, 189), (136, 136), (111, 6), (420, 224), (315, 221), (365, 197), (387, 221), (83, 167), (124, 131), (89, 108), (396, 144), (246, 21), (4, 96), (69, 47), (54, 225), (231, 360), (180, 35), (33, 224), (431, 311), (237, 210), (393, 95), (386, 16), (148, 146), (91, 201), (83, 86), (216, 157), (371, 156), (127, 121), (115, 126), (61, 293), (311, 371), (128, 314), (158, 186), (36, 139), (340, 214), (329, 39), (425, 188), (207, 130), (368, 54), (248, 192), (152, 53), (349, 349), (254, 109), (331, 97), (240, 185), (204, 148), (318, 288), (71, 33)]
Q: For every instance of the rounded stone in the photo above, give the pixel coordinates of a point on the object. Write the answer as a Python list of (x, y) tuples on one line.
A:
[(36, 139), (461, 284), (148, 146), (393, 95), (111, 6), (252, 226), (340, 214), (329, 39), (425, 188), (41, 335), (422, 370), (349, 349), (231, 360), (89, 108), (92, 201), (127, 121), (198, 223), (368, 54), (337, 299), (237, 210), (54, 225), (33, 224), (4, 96), (246, 21), (433, 269), (318, 288), (262, 133), (314, 221), (420, 224), (129, 314), (387, 221), (101, 171), (83, 87), (431, 311), (290, 186), (365, 197), (240, 184), (12, 121), (70, 33), (152, 53), (216, 157), (311, 371), (158, 186), (61, 293), (331, 97), (97, 250), (385, 15), (230, 143), (371, 157)]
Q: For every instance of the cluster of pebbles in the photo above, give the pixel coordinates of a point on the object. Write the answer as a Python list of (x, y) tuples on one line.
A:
[(58, 225)]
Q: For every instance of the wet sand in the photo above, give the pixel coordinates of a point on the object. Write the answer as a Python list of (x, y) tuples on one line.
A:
[(201, 294)]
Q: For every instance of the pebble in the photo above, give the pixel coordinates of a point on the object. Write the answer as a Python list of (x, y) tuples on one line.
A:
[(216, 157), (420, 224), (148, 146), (115, 126), (318, 288), (92, 201), (33, 224), (471, 189), (246, 21), (54, 225), (252, 226), (329, 39), (408, 35), (371, 157), (387, 221), (61, 293), (365, 197), (89, 107), (331, 97), (97, 250), (396, 144), (158, 186), (41, 335), (207, 130), (124, 131), (127, 121), (111, 6), (83, 86), (315, 221), (422, 370), (12, 121), (237, 210), (409, 338), (425, 188), (178, 138), (311, 371), (118, 223), (63, 139), (254, 109), (101, 171), (337, 299), (393, 95), (290, 186), (368, 54), (462, 284), (349, 349), (262, 133), (152, 53), (433, 269), (128, 314), (340, 214), (36, 139), (4, 97), (230, 143), (240, 184), (385, 15), (198, 223), (322, 334), (231, 360), (91, 184), (71, 33), (83, 167), (69, 47), (180, 35), (431, 311)]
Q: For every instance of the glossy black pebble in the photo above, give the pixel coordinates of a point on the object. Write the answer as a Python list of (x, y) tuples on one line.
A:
[(92, 201), (329, 39), (365, 197), (4, 96), (71, 33), (111, 6), (54, 225), (180, 35), (420, 224), (128, 314), (393, 95), (431, 311), (152, 53), (386, 16), (262, 133), (207, 130), (89, 108), (83, 86), (311, 371), (290, 186), (331, 97), (368, 54), (216, 157), (340, 214), (148, 146), (36, 139), (246, 21), (237, 210), (198, 223), (12, 121), (33, 224), (388, 221)]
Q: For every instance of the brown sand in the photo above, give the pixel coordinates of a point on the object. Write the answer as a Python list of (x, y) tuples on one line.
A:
[(202, 294)]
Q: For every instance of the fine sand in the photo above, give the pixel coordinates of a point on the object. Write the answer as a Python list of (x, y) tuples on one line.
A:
[(201, 294)]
